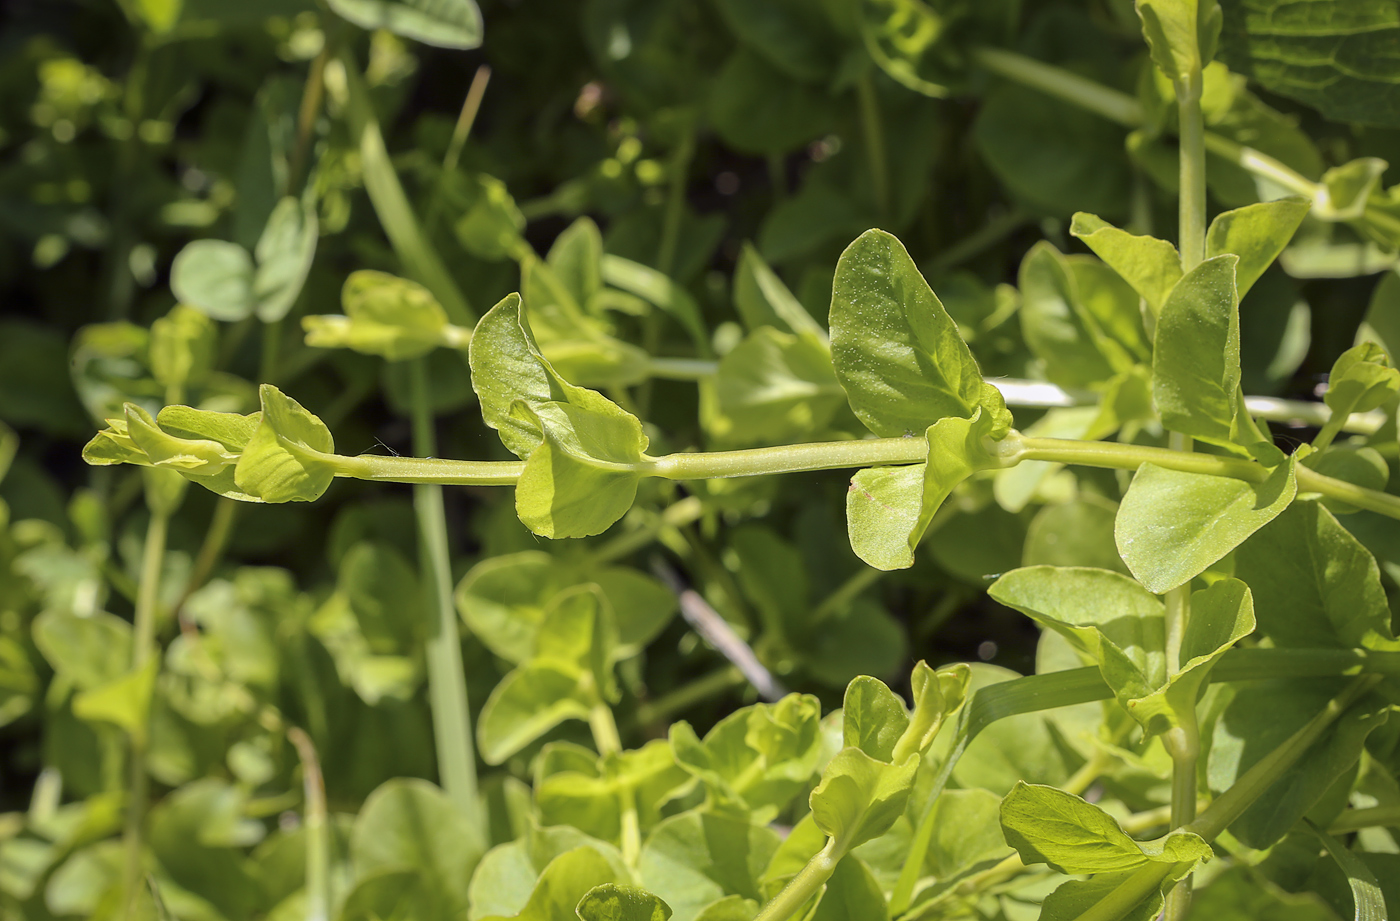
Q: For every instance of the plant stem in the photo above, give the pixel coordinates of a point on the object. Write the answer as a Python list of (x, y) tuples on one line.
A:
[(678, 513), (675, 203), (466, 118), (604, 728), (311, 98), (802, 887), (986, 236), (681, 369), (1191, 128), (874, 131), (663, 708), (1062, 84), (447, 682), (1256, 781), (318, 851), (142, 643), (1357, 819), (848, 591)]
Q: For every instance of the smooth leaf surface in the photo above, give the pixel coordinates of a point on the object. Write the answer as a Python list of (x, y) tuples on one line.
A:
[(611, 902), (1172, 525), (1150, 265), (859, 798), (1255, 233), (443, 23), (1196, 354)]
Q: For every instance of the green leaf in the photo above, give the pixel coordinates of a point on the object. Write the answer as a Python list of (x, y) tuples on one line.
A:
[(491, 224), (1058, 326), (1181, 34), (88, 651), (699, 857), (124, 701), (182, 348), (384, 315), (758, 110), (160, 15), (578, 630), (1257, 234), (526, 704), (896, 351), (873, 718), (859, 798), (1150, 265), (280, 462), (1347, 189), (1196, 355), (1359, 464), (657, 289), (1075, 898), (1172, 525), (756, 759), (1330, 54), (1048, 825), (507, 875), (1260, 717), (775, 388), (563, 884), (410, 824), (573, 787), (216, 277), (284, 254), (1314, 584), (583, 477), (1361, 380), (442, 23), (1365, 891), (889, 509), (902, 37), (761, 298), (611, 902), (966, 832)]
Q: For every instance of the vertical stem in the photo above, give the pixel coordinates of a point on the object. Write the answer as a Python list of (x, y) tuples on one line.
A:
[(466, 118), (804, 885), (142, 641), (120, 283), (215, 539), (675, 203), (874, 141), (447, 682), (604, 728), (1193, 171), (311, 96), (318, 855), (1183, 743)]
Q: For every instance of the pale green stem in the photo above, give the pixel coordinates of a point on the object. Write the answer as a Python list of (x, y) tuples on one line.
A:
[(677, 514), (471, 105), (215, 539), (864, 453), (311, 97), (604, 728), (681, 369), (447, 682), (683, 698), (1191, 128), (318, 851), (849, 590), (874, 131), (1072, 88), (1357, 819), (142, 643), (806, 884)]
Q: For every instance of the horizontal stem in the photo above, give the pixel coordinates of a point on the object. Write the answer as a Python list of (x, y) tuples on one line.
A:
[(1130, 457), (681, 369), (821, 455), (1055, 81), (428, 470), (1370, 499), (1357, 819)]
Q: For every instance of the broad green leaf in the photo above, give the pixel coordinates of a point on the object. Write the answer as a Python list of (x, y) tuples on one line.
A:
[(1329, 54), (1182, 34), (757, 110), (563, 884), (762, 299), (162, 449), (1048, 825), (160, 15), (87, 651), (730, 908), (1172, 525), (1314, 584), (182, 348), (775, 388), (491, 224), (506, 876), (576, 258), (859, 798), (1196, 355), (410, 824), (896, 351), (1150, 265), (873, 718), (199, 835), (1075, 533), (125, 701), (526, 704), (590, 795), (1058, 327), (578, 630), (1361, 380), (966, 832), (583, 477), (216, 277), (284, 254), (794, 36), (384, 315), (889, 509), (1261, 716), (281, 461), (659, 290), (443, 23), (611, 902), (851, 894), (1116, 308), (230, 430), (1255, 233), (698, 857)]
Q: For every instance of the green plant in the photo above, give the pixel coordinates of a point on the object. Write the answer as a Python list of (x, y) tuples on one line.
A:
[(1214, 649)]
